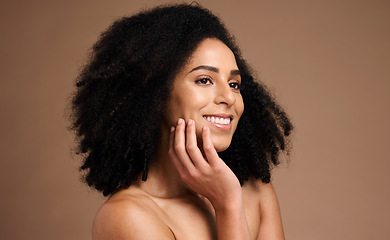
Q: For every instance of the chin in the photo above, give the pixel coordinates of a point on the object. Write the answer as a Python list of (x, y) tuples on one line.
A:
[(221, 146), (221, 149), (221, 143)]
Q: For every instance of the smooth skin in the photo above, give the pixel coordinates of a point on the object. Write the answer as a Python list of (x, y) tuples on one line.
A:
[(210, 177), (190, 193)]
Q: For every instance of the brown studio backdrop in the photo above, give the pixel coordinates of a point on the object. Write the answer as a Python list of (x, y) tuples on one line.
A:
[(326, 61)]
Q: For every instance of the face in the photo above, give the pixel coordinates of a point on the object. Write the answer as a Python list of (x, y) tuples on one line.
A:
[(207, 90)]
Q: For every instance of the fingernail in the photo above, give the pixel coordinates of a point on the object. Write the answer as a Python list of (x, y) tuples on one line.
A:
[(180, 121), (172, 129), (204, 128), (190, 122)]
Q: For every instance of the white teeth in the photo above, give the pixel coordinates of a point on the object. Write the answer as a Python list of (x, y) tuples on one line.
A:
[(218, 120)]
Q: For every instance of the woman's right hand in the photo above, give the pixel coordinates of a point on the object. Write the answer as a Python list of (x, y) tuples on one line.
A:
[(205, 174), (210, 177)]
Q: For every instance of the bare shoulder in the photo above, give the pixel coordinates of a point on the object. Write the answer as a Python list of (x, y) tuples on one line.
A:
[(264, 194), (129, 216), (271, 222), (259, 190)]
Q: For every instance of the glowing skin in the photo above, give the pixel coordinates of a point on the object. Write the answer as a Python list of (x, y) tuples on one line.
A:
[(190, 192), (206, 90)]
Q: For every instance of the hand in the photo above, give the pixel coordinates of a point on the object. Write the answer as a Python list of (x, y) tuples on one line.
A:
[(207, 175)]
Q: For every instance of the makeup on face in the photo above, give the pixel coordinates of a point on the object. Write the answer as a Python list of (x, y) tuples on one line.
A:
[(207, 90)]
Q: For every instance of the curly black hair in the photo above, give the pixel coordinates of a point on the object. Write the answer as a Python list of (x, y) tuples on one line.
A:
[(123, 90)]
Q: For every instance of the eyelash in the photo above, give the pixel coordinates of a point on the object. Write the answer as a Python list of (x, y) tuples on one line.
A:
[(236, 85), (206, 80), (203, 79)]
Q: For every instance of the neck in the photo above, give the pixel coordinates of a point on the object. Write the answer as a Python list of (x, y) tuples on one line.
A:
[(163, 179)]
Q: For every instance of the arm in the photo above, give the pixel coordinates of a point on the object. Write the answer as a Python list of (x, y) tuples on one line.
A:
[(231, 222), (210, 177), (271, 222)]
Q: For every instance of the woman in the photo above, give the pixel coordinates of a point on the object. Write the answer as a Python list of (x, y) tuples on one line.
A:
[(159, 111)]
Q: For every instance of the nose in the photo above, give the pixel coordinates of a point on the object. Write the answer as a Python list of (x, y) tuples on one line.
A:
[(224, 95)]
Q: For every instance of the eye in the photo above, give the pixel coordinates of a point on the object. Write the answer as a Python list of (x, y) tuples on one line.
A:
[(204, 81), (234, 85)]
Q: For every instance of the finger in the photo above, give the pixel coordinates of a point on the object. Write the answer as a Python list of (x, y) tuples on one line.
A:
[(179, 146), (208, 146), (171, 152), (192, 146)]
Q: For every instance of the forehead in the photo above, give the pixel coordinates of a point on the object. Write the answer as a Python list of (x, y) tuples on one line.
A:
[(212, 52)]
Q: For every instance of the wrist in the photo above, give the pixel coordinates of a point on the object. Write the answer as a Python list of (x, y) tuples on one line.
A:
[(228, 204)]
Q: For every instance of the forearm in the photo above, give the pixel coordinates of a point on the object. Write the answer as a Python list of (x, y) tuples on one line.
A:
[(210, 177), (231, 222)]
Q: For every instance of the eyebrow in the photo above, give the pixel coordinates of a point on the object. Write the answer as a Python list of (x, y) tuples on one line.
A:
[(214, 69)]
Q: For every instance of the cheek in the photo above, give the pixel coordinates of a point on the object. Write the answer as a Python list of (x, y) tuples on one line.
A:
[(172, 111), (190, 103), (185, 106), (240, 106)]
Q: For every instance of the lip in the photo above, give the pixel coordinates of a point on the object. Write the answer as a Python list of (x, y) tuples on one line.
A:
[(217, 125)]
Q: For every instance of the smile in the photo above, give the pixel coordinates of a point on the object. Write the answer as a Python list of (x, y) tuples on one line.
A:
[(218, 120)]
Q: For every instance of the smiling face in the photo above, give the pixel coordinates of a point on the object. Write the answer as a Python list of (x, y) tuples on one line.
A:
[(207, 90)]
